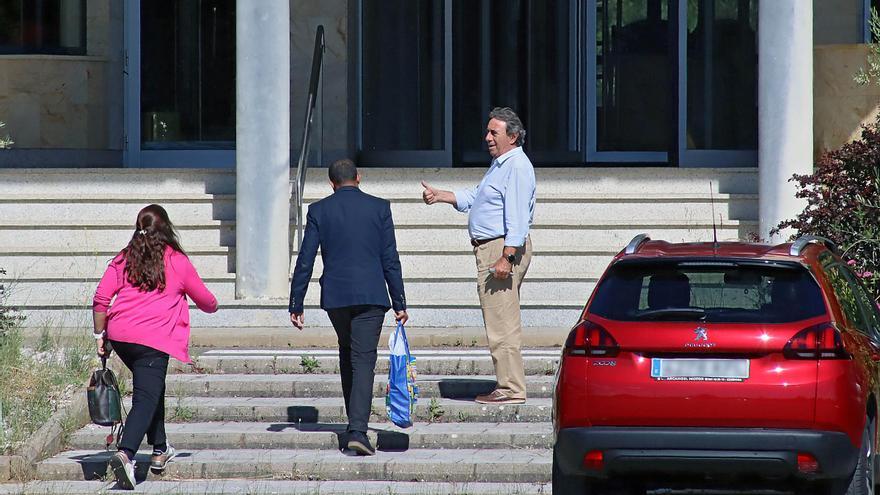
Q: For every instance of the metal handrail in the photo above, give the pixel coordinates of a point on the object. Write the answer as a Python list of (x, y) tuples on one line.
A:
[(299, 181)]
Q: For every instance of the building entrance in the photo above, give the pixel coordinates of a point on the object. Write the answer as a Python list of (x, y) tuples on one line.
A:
[(598, 81)]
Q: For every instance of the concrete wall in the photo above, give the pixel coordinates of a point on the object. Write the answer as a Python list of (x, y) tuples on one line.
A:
[(840, 106), (837, 21), (64, 102)]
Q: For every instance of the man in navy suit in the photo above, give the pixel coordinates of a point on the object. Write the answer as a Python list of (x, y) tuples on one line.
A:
[(356, 235)]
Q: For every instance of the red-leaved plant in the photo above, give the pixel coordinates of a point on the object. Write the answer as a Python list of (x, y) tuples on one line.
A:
[(843, 204)]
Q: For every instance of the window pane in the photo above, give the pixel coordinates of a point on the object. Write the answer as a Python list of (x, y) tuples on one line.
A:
[(43, 26), (403, 74), (188, 81), (516, 56), (637, 291), (846, 296), (722, 68), (633, 41)]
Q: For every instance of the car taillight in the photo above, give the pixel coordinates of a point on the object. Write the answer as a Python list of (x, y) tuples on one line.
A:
[(820, 341), (588, 338), (807, 463)]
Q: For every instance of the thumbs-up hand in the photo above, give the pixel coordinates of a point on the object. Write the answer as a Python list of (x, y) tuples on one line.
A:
[(429, 195)]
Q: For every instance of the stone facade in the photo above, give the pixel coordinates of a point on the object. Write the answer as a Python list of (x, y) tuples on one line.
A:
[(68, 102), (840, 106)]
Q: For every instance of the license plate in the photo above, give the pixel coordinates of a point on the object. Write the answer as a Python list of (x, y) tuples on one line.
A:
[(706, 370)]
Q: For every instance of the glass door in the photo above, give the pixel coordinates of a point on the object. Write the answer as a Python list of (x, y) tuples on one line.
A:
[(521, 54), (180, 96), (405, 83), (718, 103), (630, 70)]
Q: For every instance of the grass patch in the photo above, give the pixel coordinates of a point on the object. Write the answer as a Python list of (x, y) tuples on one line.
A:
[(36, 382)]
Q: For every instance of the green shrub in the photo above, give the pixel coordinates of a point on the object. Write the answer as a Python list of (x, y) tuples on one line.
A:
[(843, 204)]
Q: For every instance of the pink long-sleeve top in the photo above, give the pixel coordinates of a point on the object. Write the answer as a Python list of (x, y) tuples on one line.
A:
[(157, 319)]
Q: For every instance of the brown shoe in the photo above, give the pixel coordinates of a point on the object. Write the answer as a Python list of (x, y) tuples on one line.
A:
[(499, 397)]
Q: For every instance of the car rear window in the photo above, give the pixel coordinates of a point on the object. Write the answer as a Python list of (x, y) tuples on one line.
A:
[(745, 291)]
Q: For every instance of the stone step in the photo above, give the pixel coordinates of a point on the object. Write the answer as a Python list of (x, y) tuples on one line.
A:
[(385, 437), (259, 487), (461, 465), (273, 313), (567, 234), (545, 290), (385, 182), (55, 262), (332, 410), (190, 209), (458, 362), (263, 342), (327, 385), (220, 264)]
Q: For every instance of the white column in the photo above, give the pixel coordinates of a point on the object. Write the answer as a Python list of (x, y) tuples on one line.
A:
[(785, 108), (262, 156)]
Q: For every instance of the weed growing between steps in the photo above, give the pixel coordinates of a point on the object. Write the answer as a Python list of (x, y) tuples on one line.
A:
[(309, 364), (34, 383)]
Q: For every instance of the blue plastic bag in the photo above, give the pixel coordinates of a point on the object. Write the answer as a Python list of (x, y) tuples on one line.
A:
[(402, 392)]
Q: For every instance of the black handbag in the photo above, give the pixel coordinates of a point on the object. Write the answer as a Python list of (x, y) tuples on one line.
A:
[(105, 404)]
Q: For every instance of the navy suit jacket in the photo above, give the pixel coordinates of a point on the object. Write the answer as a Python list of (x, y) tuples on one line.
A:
[(356, 235)]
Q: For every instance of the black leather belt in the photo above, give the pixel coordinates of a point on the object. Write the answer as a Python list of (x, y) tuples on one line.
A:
[(480, 242)]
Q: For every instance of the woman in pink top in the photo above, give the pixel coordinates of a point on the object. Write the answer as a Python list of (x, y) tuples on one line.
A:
[(147, 322)]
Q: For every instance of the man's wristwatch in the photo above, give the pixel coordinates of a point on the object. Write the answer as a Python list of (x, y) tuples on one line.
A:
[(511, 258)]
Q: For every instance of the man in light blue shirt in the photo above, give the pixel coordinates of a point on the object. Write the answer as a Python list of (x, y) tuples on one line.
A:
[(501, 209)]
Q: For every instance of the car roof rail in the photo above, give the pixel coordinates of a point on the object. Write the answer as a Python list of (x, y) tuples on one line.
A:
[(802, 242), (636, 243)]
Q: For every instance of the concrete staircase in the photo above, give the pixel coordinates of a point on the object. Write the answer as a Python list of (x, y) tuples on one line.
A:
[(254, 416), (58, 229), (265, 417)]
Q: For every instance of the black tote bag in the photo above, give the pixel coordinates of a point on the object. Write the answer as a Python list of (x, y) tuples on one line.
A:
[(105, 404)]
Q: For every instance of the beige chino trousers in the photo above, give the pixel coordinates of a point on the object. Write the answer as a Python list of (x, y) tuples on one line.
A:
[(499, 300)]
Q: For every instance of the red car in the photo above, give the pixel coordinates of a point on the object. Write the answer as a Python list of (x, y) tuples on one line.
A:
[(720, 365)]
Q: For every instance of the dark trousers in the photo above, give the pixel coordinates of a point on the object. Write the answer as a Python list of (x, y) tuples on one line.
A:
[(357, 329), (147, 416)]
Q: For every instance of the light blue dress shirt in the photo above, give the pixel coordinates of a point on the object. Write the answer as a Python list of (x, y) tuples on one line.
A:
[(503, 204)]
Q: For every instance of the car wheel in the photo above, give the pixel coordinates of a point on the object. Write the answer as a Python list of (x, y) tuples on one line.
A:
[(569, 484), (862, 481)]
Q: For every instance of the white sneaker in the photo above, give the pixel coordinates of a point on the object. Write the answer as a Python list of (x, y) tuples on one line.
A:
[(160, 459), (123, 470)]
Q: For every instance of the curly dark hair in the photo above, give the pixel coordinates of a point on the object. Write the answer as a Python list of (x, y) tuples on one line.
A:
[(145, 254)]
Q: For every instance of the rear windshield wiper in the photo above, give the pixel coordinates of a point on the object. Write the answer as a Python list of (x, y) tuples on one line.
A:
[(656, 314)]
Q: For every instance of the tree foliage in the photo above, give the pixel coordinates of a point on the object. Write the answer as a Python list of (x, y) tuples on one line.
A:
[(843, 204)]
